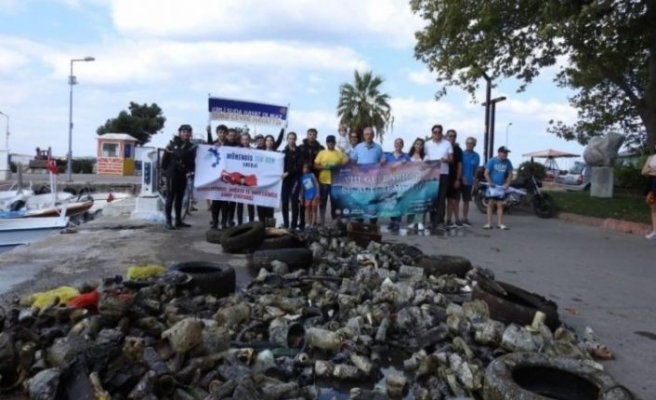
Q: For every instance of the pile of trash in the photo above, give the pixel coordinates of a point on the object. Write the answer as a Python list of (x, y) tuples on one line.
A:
[(292, 334)]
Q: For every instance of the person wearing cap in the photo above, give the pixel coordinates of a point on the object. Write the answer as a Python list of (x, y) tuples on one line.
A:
[(178, 162), (498, 174), (326, 160)]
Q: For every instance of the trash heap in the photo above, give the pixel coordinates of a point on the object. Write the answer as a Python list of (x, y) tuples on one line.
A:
[(286, 336)]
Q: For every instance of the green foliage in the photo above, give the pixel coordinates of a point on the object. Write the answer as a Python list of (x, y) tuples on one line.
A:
[(605, 50), (362, 104), (630, 178), (620, 206), (141, 122), (528, 168), (82, 167)]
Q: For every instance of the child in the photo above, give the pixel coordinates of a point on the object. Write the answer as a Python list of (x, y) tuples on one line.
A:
[(343, 143), (309, 194)]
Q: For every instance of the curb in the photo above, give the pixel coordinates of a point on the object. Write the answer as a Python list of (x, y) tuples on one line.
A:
[(613, 224)]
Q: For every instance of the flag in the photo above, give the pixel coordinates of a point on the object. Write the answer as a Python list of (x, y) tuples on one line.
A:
[(52, 166), (110, 198)]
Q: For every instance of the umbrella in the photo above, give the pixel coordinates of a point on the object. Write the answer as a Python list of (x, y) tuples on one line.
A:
[(550, 153)]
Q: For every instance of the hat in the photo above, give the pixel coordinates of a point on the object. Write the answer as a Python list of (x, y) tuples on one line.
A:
[(330, 139), (503, 149)]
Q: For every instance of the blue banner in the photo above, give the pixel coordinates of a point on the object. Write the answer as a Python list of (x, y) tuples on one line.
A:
[(247, 112), (390, 190)]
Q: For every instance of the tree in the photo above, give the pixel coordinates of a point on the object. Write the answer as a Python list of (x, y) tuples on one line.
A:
[(362, 104), (610, 47), (142, 122)]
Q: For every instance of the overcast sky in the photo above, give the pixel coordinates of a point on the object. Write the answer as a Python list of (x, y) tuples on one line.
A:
[(174, 53)]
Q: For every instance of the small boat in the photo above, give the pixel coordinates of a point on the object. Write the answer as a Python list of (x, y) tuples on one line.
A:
[(70, 208), (101, 199), (18, 231)]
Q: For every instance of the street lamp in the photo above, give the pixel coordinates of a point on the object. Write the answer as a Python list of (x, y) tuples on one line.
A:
[(507, 126), (6, 131), (493, 109), (72, 81)]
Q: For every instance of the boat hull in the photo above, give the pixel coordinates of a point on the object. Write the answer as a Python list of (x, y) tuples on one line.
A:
[(72, 209), (18, 231)]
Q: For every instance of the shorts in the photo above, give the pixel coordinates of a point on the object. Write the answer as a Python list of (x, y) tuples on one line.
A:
[(467, 193), (453, 193), (311, 202)]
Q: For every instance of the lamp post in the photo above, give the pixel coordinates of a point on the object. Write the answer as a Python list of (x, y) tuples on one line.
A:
[(72, 81), (493, 110), (507, 126), (6, 131)]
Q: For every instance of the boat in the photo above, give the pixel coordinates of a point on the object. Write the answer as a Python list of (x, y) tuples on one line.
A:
[(18, 231), (101, 199)]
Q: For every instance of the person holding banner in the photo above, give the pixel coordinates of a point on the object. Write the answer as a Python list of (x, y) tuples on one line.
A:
[(439, 149), (417, 154), (228, 213), (245, 143), (368, 152), (396, 156), (265, 213), (326, 160), (498, 173), (293, 167), (177, 163)]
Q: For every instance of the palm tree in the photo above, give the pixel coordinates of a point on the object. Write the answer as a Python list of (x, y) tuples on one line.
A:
[(362, 104)]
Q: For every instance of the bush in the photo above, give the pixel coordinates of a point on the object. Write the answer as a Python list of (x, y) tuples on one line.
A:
[(82, 167), (528, 168), (629, 177)]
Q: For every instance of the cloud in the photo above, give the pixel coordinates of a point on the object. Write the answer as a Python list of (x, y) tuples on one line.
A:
[(422, 77), (390, 22)]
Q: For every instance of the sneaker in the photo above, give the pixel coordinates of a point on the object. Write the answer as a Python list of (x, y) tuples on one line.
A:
[(181, 224), (459, 224), (420, 226), (651, 236), (450, 224), (466, 223), (169, 226), (214, 225), (502, 227), (487, 226)]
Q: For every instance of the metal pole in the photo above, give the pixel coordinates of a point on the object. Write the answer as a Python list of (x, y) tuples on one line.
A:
[(492, 118), (507, 126), (69, 161), (488, 95)]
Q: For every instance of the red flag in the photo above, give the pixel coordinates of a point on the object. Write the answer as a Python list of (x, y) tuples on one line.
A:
[(110, 198), (52, 166)]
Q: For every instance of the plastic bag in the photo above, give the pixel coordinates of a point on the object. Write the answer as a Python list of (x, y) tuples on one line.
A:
[(145, 271), (496, 191)]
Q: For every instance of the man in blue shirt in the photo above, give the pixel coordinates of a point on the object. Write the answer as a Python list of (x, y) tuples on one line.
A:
[(498, 174), (470, 162), (368, 152)]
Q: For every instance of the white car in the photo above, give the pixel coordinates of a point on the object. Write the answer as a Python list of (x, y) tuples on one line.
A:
[(576, 178)]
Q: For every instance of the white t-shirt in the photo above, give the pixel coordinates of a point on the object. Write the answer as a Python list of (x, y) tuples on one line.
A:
[(438, 151)]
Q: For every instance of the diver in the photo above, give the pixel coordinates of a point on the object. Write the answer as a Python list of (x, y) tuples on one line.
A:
[(178, 163)]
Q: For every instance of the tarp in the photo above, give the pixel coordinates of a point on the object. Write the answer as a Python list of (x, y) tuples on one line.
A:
[(390, 190), (238, 174), (550, 153)]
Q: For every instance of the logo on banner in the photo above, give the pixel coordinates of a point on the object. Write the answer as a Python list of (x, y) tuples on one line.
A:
[(213, 152)]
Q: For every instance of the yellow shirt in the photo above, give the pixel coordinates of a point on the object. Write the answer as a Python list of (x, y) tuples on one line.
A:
[(325, 157)]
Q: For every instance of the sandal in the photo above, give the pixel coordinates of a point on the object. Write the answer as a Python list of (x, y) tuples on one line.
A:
[(502, 227), (487, 226)]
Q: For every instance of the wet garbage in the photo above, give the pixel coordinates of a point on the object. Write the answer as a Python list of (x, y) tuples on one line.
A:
[(329, 320)]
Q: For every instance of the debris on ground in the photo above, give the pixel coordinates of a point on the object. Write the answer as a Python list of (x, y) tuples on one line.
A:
[(321, 321)]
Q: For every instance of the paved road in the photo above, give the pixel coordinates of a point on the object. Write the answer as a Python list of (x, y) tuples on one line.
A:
[(607, 277)]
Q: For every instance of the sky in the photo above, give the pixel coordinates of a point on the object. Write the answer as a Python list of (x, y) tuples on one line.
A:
[(296, 52)]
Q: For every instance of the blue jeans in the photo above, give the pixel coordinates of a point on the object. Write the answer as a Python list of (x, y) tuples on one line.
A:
[(326, 193)]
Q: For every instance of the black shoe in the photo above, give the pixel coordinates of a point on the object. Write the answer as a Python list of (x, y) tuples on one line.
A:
[(180, 224), (170, 226), (214, 225)]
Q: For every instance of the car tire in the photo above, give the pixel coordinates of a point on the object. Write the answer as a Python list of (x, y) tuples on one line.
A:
[(211, 278), (437, 265), (518, 306), (534, 376), (243, 238), (295, 259), (275, 242), (214, 236)]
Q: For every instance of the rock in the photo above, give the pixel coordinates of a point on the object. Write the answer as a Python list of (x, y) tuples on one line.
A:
[(602, 151)]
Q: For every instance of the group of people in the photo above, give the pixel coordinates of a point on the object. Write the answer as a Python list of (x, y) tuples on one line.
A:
[(307, 176)]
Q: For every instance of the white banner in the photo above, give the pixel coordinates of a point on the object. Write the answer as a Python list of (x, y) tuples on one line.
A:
[(238, 174)]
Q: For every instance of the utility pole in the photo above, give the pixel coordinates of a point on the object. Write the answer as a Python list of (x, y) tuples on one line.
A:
[(493, 107)]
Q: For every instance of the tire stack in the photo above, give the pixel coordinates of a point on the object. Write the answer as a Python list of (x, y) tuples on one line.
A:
[(263, 245)]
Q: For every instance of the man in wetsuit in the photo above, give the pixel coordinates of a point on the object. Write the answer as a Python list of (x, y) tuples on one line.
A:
[(177, 163)]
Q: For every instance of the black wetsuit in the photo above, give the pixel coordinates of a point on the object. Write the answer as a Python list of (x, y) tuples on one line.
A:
[(178, 161)]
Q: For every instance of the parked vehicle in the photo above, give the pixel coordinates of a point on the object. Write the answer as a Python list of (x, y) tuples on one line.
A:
[(577, 178), (523, 191)]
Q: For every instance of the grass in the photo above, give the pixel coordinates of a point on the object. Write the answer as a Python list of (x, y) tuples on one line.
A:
[(621, 206)]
